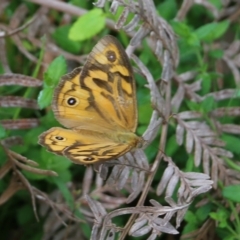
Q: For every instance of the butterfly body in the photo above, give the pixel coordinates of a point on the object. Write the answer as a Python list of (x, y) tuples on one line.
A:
[(98, 105)]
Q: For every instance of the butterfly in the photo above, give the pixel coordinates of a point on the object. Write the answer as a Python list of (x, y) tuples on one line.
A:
[(97, 103)]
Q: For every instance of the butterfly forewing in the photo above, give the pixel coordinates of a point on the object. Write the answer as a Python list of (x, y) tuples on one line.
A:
[(108, 76)]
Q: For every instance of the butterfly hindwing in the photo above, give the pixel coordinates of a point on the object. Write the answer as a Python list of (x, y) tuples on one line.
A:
[(82, 147)]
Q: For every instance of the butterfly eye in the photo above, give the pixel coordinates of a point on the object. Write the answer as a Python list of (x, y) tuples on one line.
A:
[(72, 101), (111, 56), (59, 138), (88, 159)]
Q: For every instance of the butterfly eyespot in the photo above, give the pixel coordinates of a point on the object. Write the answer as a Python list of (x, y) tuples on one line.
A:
[(111, 56), (59, 138), (72, 101)]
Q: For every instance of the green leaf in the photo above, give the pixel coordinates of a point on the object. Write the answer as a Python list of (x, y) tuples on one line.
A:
[(181, 29), (193, 105), (202, 212), (189, 164), (206, 82), (189, 227), (212, 31), (237, 93), (193, 40), (62, 39), (167, 9), (205, 31), (221, 216), (224, 236), (3, 158), (172, 146), (191, 217), (55, 71), (45, 97), (31, 137), (2, 132), (232, 143), (80, 3), (217, 53), (151, 150), (24, 214), (54, 162), (208, 104), (186, 34), (232, 193), (144, 106), (217, 3), (1, 69), (88, 25)]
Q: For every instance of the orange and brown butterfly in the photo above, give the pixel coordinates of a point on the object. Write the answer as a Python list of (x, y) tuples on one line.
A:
[(97, 103)]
